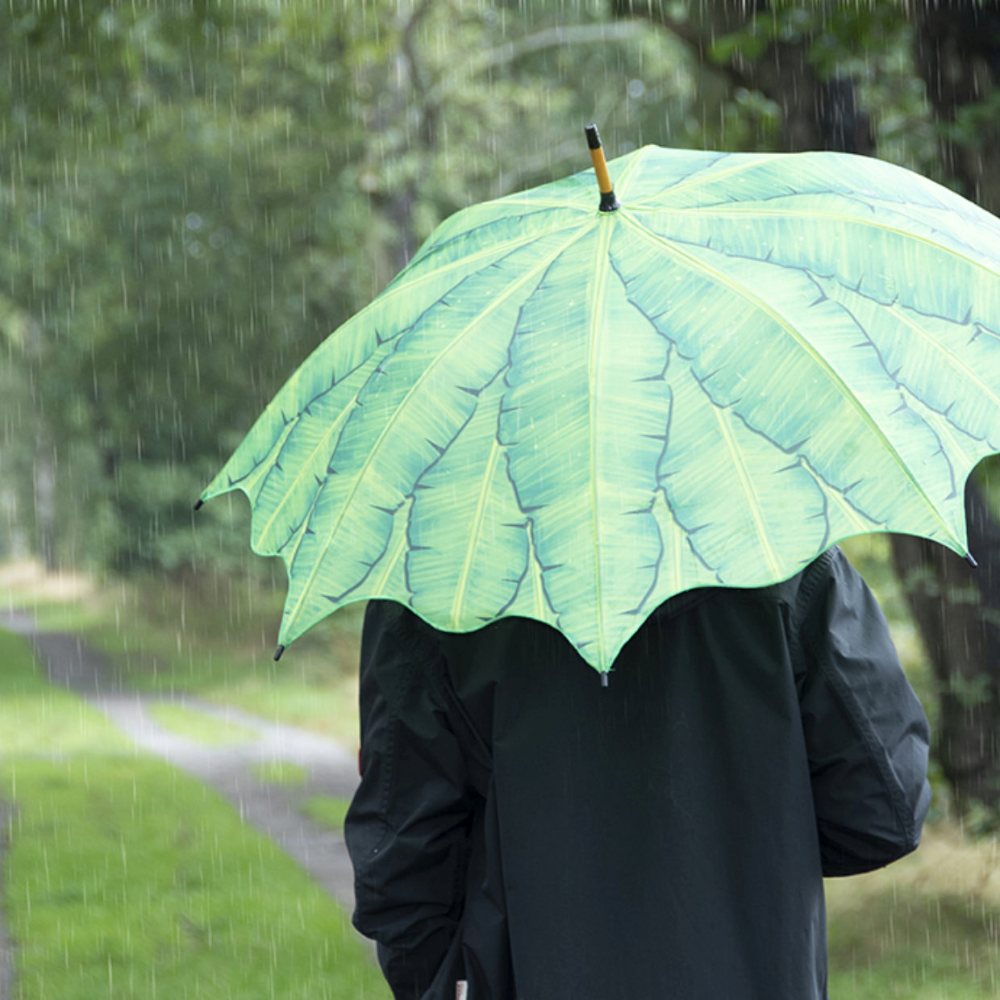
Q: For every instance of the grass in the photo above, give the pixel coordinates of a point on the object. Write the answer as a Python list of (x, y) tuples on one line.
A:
[(198, 726), (926, 928), (125, 878), (279, 772), (327, 810), (38, 720)]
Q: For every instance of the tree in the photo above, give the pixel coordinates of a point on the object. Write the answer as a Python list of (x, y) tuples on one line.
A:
[(197, 195), (179, 238)]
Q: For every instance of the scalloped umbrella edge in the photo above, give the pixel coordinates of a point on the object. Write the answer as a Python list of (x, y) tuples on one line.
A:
[(573, 411)]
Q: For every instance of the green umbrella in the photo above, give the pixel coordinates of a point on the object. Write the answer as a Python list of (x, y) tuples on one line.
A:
[(571, 412)]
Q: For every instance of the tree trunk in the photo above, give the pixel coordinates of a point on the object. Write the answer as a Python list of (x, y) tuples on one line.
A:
[(45, 501), (945, 596)]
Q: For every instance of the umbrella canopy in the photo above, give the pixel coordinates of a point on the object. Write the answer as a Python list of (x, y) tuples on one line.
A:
[(572, 414)]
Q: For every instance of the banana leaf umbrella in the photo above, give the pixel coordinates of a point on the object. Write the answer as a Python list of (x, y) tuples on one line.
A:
[(572, 410)]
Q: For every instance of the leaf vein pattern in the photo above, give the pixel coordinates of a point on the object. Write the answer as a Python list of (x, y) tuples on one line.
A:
[(244, 482), (458, 340), (697, 176), (467, 235), (757, 303), (496, 455), (831, 217), (323, 445)]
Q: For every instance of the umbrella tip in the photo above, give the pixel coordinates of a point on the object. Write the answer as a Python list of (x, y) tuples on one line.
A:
[(609, 202), (278, 652), (972, 562), (199, 504), (604, 678)]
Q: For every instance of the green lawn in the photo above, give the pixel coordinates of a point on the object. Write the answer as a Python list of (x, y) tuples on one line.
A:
[(198, 726), (127, 879), (328, 810), (280, 772), (925, 928)]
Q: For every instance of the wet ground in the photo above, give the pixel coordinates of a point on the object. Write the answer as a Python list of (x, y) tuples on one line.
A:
[(273, 809)]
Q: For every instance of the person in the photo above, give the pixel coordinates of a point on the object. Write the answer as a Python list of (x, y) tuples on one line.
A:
[(522, 832)]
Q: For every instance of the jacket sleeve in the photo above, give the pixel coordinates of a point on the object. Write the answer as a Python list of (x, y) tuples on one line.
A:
[(407, 829), (866, 733)]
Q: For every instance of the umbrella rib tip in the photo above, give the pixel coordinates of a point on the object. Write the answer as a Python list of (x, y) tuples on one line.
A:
[(278, 652), (199, 504), (971, 561)]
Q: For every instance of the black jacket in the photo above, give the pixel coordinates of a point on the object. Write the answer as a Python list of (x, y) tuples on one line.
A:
[(520, 827)]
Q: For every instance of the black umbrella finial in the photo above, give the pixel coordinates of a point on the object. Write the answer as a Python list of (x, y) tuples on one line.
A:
[(609, 202)]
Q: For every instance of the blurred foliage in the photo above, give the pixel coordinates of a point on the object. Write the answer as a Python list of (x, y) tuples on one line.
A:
[(196, 194)]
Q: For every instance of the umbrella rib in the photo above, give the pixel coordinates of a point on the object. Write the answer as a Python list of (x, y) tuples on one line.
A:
[(494, 250), (598, 287), (828, 216), (257, 472), (958, 361), (862, 521), (747, 484), (946, 429), (458, 339), (495, 452), (428, 251), (562, 206), (622, 179), (400, 548), (305, 468), (699, 176), (756, 301)]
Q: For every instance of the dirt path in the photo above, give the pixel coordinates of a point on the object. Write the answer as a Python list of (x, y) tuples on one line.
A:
[(231, 770)]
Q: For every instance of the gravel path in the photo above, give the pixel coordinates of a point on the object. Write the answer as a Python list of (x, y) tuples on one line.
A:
[(231, 769)]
